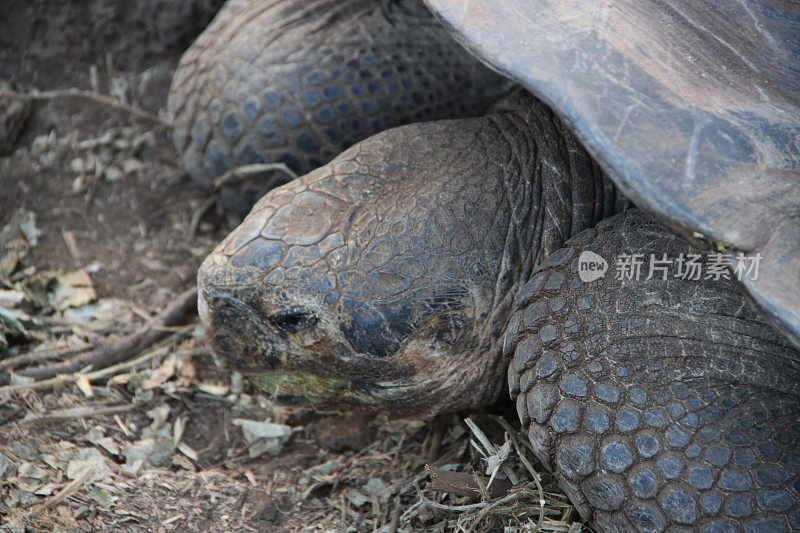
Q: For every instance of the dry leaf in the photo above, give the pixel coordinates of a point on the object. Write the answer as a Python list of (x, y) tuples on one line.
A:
[(188, 451), (72, 290), (83, 384), (213, 389), (161, 374)]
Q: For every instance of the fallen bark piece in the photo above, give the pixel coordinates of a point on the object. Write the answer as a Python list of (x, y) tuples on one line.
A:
[(463, 484), (263, 437)]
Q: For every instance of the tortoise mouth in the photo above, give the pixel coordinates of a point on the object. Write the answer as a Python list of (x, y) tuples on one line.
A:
[(244, 340), (297, 351), (320, 392), (235, 333)]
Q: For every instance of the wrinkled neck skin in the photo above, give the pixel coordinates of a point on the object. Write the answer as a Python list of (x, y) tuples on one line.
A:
[(384, 279)]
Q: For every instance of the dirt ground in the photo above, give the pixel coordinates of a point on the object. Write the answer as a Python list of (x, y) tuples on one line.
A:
[(101, 229)]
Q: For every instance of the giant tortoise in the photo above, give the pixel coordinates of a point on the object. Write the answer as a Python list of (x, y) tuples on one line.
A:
[(424, 265)]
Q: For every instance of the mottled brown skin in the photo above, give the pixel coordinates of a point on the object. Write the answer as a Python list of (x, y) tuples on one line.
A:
[(384, 279)]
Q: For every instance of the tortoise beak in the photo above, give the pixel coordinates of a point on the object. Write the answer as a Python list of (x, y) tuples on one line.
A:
[(234, 331)]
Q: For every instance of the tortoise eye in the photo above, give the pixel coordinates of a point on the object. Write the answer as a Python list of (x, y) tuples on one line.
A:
[(291, 321), (449, 329)]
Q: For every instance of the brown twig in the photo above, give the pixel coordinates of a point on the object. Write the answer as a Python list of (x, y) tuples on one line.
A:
[(98, 375), (130, 345), (87, 95), (35, 357), (247, 170), (198, 215), (79, 412)]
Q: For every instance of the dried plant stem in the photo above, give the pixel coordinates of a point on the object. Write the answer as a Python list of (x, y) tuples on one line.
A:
[(129, 346), (247, 170), (87, 95)]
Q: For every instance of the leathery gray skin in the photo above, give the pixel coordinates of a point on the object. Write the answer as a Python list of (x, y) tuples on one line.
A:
[(384, 279), (659, 405), (298, 81)]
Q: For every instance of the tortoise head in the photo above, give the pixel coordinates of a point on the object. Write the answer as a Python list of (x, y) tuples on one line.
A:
[(342, 292)]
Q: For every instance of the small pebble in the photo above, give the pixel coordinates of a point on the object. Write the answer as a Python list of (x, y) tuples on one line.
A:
[(113, 173)]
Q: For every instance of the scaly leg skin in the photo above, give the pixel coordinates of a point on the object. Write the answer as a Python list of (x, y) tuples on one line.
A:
[(657, 404), (299, 81)]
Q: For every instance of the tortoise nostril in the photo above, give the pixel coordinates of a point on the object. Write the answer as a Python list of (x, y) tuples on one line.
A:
[(292, 320)]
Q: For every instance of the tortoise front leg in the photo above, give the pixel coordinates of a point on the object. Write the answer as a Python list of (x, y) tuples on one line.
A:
[(658, 404)]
